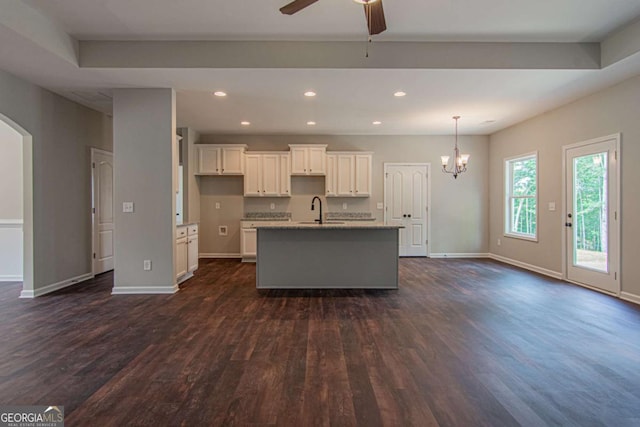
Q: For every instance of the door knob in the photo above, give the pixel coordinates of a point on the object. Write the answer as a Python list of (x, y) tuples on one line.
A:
[(569, 215), (567, 224), (409, 215), (404, 216)]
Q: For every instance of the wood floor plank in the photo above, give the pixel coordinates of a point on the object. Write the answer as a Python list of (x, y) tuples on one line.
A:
[(461, 342)]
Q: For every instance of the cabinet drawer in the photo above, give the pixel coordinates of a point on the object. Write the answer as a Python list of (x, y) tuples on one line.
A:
[(192, 229), (181, 232)]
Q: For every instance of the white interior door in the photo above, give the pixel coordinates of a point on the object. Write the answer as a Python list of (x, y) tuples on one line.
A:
[(405, 198), (103, 226), (591, 209)]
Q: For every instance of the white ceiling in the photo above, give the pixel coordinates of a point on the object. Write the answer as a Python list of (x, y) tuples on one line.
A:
[(348, 99)]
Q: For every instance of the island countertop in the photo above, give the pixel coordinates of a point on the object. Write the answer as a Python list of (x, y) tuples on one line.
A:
[(329, 225)]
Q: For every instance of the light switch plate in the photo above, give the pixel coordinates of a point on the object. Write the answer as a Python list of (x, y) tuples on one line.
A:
[(272, 206), (217, 205), (344, 205), (552, 206), (146, 265), (380, 205), (127, 207)]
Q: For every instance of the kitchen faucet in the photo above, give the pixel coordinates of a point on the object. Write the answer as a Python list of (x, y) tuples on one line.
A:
[(319, 220)]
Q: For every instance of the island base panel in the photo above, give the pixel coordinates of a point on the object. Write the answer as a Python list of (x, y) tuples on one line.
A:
[(327, 259)]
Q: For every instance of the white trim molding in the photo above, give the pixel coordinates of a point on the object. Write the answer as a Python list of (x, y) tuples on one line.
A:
[(144, 290), (11, 223), (459, 255), (219, 255), (32, 293), (530, 267), (10, 278), (630, 297)]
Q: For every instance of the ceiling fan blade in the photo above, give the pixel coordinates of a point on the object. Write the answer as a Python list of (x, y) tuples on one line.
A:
[(375, 17), (296, 6)]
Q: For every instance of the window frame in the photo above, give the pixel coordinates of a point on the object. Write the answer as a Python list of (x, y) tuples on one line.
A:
[(508, 184)]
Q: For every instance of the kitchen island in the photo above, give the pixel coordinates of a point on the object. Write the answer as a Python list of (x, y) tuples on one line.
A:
[(327, 256)]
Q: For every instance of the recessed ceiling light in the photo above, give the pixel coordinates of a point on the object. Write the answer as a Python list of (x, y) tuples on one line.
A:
[(399, 93), (219, 93), (245, 123), (310, 123), (310, 93), (377, 122)]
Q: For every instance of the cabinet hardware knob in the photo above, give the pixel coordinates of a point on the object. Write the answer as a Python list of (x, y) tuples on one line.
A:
[(409, 215), (404, 216)]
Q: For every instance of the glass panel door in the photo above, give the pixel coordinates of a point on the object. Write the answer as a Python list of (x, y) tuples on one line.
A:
[(590, 212)]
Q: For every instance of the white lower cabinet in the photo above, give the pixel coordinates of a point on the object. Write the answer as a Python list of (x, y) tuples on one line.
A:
[(248, 243), (186, 251), (181, 257)]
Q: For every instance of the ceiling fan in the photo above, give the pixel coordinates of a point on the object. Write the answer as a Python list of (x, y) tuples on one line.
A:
[(373, 12)]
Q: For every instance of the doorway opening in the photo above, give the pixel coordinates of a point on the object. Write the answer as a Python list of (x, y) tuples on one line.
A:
[(591, 214), (407, 194), (16, 216)]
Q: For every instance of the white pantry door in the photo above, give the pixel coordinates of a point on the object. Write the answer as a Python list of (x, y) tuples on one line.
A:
[(405, 204), (591, 209), (102, 210)]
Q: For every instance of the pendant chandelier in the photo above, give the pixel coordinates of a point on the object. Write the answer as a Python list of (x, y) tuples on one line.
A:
[(459, 161)]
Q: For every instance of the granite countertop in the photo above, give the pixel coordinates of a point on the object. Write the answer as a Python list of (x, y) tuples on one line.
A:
[(329, 225)]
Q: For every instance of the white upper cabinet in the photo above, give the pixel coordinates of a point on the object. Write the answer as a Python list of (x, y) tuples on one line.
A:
[(308, 159), (330, 182), (348, 174), (220, 159), (267, 175)]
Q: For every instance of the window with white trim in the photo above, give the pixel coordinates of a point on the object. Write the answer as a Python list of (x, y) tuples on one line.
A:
[(521, 196)]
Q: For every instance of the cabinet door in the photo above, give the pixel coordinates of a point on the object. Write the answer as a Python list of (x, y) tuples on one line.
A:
[(317, 160), (192, 253), (285, 175), (330, 179), (345, 163), (270, 174), (233, 160), (363, 175), (298, 161), (181, 257), (248, 243), (208, 160), (252, 176)]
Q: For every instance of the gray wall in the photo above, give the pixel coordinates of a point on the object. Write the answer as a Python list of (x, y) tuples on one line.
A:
[(607, 112), (62, 133), (144, 131), (459, 208)]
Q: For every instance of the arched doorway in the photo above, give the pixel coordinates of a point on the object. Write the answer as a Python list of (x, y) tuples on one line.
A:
[(27, 205)]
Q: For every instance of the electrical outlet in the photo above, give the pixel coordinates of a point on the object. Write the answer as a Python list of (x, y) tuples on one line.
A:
[(344, 205), (127, 207), (499, 242), (217, 205), (272, 206), (222, 230), (146, 265)]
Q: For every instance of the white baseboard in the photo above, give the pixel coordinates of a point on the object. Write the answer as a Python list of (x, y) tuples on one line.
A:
[(55, 286), (458, 255), (216, 255), (530, 267), (144, 290), (185, 277), (630, 297), (10, 278)]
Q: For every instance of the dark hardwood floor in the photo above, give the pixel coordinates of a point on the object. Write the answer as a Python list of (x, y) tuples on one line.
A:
[(461, 343)]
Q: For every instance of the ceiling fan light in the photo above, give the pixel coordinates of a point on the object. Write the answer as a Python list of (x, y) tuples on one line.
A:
[(365, 1), (220, 93)]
